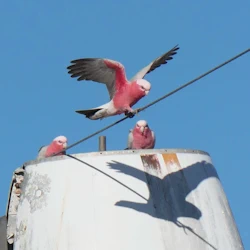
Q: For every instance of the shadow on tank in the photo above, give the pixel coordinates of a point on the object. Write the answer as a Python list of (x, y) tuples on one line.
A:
[(174, 188)]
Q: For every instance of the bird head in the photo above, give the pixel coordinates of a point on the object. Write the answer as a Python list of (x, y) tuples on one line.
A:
[(145, 86), (142, 127), (61, 141), (58, 144)]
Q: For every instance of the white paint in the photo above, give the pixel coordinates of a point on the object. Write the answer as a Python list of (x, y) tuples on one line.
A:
[(38, 193), (80, 210)]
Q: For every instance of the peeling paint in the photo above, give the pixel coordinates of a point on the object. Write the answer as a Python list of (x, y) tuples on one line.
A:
[(20, 230), (36, 187), (14, 200)]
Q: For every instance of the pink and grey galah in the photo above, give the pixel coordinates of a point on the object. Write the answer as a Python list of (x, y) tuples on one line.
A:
[(141, 137), (123, 93), (57, 145)]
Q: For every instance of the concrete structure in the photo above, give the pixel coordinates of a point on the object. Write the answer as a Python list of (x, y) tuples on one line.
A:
[(3, 233), (126, 200)]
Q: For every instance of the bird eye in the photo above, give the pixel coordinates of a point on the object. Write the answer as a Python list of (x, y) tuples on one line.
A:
[(60, 141)]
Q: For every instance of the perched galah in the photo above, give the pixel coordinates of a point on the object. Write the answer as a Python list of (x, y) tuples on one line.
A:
[(57, 145), (123, 93), (141, 137)]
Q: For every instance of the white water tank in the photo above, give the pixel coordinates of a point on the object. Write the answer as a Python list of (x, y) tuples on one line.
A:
[(167, 199)]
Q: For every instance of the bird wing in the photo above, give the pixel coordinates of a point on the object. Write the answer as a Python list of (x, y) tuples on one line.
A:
[(41, 152), (130, 139), (154, 138), (156, 63), (99, 70)]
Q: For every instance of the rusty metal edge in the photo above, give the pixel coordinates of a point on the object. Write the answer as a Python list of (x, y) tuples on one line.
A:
[(10, 190)]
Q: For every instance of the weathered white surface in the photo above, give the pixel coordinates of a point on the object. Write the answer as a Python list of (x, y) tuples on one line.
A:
[(68, 204), (14, 197)]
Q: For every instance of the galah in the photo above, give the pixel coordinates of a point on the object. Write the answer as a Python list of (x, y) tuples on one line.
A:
[(123, 93), (57, 145), (141, 137)]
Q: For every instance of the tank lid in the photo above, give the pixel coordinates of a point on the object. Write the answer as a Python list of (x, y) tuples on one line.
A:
[(119, 152)]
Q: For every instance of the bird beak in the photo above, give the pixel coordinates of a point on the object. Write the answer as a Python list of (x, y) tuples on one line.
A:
[(146, 92), (142, 129), (65, 145)]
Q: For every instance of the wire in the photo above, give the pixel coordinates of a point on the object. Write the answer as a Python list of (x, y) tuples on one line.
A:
[(114, 179), (97, 132), (194, 80), (157, 100)]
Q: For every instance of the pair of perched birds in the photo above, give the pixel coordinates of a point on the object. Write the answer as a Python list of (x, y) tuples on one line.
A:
[(123, 94), (140, 137)]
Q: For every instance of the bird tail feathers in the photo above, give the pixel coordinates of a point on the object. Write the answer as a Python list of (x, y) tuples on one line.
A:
[(88, 112)]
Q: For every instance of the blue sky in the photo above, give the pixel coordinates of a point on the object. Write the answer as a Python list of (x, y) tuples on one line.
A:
[(38, 97)]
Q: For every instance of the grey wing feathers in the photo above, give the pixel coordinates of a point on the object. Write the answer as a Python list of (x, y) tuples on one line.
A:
[(156, 63), (153, 134), (130, 139), (41, 152), (94, 69)]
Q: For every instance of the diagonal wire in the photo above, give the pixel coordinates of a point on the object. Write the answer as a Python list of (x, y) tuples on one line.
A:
[(96, 133), (194, 80), (158, 100)]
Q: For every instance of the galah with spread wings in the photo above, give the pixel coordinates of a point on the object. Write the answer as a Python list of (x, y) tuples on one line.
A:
[(123, 93), (141, 137), (57, 145)]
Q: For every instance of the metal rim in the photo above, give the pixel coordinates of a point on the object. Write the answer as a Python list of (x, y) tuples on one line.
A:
[(119, 152)]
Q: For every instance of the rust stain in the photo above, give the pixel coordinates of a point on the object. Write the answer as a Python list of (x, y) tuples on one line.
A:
[(151, 161), (171, 161)]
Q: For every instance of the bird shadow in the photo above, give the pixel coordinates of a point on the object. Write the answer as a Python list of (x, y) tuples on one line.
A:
[(174, 188), (167, 193)]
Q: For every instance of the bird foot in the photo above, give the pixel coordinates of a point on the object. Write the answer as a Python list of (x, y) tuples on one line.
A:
[(131, 114)]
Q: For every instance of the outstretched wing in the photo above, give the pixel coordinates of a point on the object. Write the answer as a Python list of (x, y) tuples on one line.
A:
[(156, 63), (99, 70)]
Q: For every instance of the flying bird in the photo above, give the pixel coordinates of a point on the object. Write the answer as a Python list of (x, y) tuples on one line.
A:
[(141, 137), (57, 145), (123, 93)]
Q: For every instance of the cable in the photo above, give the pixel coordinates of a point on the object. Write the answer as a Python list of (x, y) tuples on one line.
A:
[(97, 132), (194, 80), (112, 178), (156, 101)]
